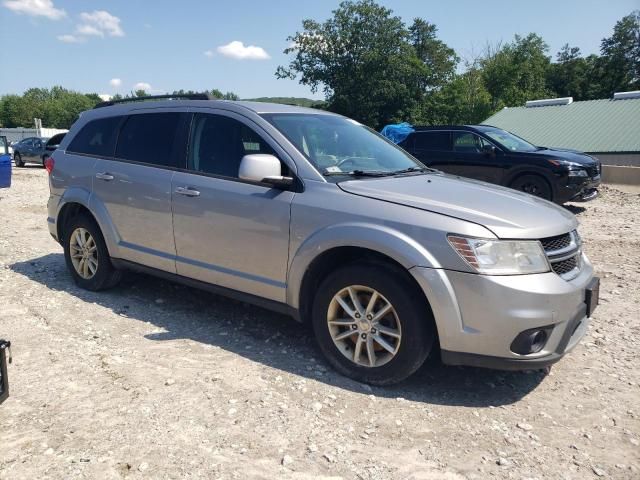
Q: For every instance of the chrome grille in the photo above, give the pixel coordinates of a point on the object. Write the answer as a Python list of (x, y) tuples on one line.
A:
[(564, 253)]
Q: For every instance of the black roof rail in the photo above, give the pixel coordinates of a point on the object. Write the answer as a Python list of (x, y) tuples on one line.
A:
[(187, 96)]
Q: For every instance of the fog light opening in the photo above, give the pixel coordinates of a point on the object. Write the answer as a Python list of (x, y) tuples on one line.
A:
[(538, 339), (531, 341)]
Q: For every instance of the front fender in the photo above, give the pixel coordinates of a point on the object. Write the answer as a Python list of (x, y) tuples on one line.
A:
[(379, 238)]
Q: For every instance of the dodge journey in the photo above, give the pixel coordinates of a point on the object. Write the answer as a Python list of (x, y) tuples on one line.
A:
[(317, 216)]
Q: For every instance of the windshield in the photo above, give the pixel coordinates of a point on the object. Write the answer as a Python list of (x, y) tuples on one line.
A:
[(509, 140), (340, 146)]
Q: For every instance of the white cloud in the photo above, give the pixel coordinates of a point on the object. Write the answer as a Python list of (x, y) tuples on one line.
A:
[(209, 53), (70, 39), (238, 51), (89, 30), (142, 86), (100, 23), (115, 82), (105, 97), (36, 8)]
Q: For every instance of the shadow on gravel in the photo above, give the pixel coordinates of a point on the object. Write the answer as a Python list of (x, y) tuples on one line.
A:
[(575, 209), (272, 339)]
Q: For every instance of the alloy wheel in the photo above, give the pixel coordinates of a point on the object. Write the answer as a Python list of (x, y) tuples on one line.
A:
[(84, 253), (364, 326)]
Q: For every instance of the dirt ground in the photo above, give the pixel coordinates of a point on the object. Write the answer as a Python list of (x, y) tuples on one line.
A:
[(156, 380)]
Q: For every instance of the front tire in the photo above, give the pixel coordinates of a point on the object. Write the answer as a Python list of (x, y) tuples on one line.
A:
[(86, 255), (17, 159), (372, 323), (533, 185)]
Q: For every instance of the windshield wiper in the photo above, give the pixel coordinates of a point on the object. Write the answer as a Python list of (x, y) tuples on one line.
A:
[(413, 170), (361, 173)]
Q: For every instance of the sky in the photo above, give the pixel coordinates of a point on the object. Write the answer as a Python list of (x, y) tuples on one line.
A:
[(115, 46)]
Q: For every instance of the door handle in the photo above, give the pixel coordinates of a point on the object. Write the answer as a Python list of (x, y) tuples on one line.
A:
[(188, 192), (107, 177)]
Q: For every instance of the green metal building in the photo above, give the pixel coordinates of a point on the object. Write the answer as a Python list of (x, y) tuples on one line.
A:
[(608, 129)]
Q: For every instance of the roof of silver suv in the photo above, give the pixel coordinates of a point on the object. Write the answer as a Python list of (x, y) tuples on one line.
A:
[(234, 105)]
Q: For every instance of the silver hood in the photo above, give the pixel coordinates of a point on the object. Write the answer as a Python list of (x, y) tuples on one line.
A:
[(506, 212)]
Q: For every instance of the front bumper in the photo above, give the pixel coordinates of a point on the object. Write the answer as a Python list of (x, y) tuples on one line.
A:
[(479, 316), (579, 189)]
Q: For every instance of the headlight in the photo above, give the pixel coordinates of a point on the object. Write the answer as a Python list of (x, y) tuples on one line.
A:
[(501, 257), (578, 173)]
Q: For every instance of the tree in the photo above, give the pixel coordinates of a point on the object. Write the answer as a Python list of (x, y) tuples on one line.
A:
[(620, 56), (571, 75), (57, 107), (369, 65), (215, 93), (439, 59), (464, 100), (516, 72)]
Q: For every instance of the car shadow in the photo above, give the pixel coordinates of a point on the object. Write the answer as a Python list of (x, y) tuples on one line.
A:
[(272, 339), (30, 166), (575, 209)]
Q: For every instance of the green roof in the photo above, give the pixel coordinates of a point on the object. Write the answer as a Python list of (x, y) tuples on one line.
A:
[(594, 126)]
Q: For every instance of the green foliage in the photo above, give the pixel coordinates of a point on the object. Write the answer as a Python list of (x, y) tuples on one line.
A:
[(374, 68), (370, 65), (464, 100), (620, 56), (300, 102), (57, 107), (516, 72)]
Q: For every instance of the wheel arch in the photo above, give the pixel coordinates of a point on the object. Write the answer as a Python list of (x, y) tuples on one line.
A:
[(545, 174), (333, 246), (76, 201)]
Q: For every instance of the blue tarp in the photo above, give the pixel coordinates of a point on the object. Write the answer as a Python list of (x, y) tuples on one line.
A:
[(397, 132)]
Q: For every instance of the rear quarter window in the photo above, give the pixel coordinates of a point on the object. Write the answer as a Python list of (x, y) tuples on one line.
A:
[(97, 137)]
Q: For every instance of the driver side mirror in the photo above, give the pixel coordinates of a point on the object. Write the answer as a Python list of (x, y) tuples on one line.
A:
[(263, 168)]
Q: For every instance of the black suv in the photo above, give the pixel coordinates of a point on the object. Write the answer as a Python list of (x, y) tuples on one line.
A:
[(493, 155)]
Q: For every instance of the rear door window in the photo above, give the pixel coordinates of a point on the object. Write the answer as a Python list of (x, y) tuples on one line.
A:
[(98, 137), (150, 138), (432, 141)]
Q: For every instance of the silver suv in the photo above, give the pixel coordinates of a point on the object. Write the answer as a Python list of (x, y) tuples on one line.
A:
[(317, 216)]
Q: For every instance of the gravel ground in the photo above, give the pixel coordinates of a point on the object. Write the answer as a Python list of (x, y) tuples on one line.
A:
[(155, 380)]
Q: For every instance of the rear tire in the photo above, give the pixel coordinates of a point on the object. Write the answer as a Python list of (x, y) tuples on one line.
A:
[(392, 345), (534, 185), (17, 159), (86, 255)]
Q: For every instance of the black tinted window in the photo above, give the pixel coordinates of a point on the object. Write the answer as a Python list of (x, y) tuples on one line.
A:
[(149, 138), (218, 144), (56, 139), (96, 137), (432, 141), (466, 142)]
